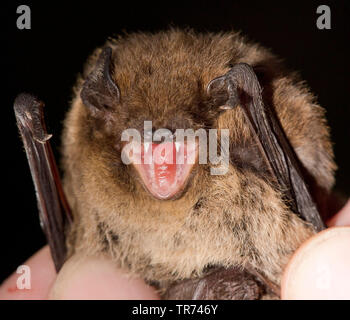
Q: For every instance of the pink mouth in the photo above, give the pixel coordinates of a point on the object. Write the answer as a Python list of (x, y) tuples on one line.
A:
[(165, 167)]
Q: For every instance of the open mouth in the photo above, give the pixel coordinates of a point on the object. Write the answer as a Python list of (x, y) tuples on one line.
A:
[(165, 168)]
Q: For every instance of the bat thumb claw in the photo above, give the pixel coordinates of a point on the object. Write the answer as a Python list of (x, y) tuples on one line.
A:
[(29, 114)]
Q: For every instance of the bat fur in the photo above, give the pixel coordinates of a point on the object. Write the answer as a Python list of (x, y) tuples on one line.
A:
[(233, 220)]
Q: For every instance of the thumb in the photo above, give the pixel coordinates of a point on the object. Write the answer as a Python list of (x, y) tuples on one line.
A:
[(89, 278), (320, 269)]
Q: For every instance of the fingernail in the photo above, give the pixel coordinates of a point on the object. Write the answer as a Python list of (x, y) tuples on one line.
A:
[(320, 269)]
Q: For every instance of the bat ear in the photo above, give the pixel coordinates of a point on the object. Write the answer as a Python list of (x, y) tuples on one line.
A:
[(223, 92), (99, 90)]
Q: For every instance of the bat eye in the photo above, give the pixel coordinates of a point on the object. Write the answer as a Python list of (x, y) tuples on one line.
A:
[(99, 90)]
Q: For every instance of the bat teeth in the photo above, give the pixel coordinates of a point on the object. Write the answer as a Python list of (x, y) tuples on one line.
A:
[(146, 146), (177, 146)]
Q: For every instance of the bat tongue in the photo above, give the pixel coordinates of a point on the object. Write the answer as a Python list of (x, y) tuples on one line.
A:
[(165, 167)]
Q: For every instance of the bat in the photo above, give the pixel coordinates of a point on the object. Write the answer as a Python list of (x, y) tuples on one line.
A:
[(188, 232)]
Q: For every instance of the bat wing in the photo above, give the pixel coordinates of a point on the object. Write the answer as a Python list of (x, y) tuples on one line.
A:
[(242, 88), (54, 211), (220, 284), (99, 91)]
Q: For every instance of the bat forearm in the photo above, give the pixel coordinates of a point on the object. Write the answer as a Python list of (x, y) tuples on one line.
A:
[(53, 207)]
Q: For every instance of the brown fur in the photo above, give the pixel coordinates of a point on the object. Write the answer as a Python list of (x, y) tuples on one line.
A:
[(230, 220)]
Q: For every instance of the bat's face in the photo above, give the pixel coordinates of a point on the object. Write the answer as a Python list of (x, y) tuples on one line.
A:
[(149, 116), (152, 145), (154, 148)]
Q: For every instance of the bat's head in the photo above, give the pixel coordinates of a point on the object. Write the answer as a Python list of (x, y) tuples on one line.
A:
[(149, 111)]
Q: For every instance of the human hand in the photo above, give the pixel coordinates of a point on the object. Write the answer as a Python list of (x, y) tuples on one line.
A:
[(80, 278), (319, 269)]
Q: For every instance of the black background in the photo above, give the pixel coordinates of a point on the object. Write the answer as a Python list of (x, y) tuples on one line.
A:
[(46, 60)]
